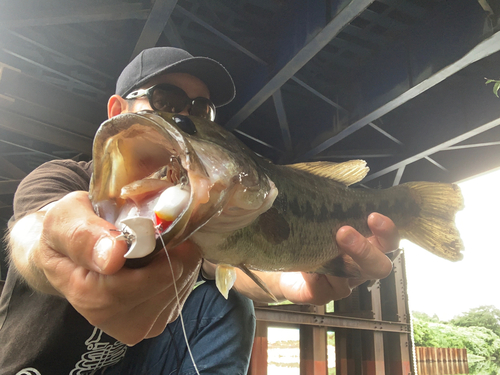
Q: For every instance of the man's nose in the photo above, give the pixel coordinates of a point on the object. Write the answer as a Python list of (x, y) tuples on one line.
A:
[(186, 110)]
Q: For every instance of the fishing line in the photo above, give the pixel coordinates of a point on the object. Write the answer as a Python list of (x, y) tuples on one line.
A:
[(178, 304)]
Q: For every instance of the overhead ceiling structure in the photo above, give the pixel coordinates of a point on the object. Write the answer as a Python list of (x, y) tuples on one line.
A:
[(399, 83)]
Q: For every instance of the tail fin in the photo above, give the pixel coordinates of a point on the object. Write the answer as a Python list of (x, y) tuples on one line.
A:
[(434, 229)]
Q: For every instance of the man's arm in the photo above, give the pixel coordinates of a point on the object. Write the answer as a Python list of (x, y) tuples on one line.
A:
[(300, 287)]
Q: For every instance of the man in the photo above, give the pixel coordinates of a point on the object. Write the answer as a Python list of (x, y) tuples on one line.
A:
[(87, 305)]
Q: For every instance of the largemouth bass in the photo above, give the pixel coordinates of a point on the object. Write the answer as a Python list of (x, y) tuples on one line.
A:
[(176, 177)]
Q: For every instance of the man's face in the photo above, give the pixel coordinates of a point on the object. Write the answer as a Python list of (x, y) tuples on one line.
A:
[(191, 85)]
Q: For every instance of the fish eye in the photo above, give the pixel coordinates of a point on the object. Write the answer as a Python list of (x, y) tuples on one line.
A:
[(185, 124)]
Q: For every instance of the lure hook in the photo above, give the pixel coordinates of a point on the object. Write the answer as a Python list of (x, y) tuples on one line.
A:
[(139, 233)]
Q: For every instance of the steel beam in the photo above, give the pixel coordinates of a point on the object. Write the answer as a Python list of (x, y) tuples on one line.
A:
[(30, 13), (44, 132), (258, 140), (258, 360), (281, 113), (213, 30), (292, 317), (173, 36), (432, 150), (383, 132), (155, 24), (399, 174), (474, 145), (375, 365), (318, 94), (30, 149), (50, 116), (11, 170), (79, 82), (432, 161), (400, 353), (315, 45), (15, 84), (8, 187), (335, 105), (69, 60), (313, 351)]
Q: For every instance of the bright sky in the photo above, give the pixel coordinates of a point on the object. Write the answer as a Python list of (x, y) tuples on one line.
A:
[(437, 286)]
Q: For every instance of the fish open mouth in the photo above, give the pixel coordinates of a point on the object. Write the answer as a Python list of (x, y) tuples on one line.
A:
[(141, 181)]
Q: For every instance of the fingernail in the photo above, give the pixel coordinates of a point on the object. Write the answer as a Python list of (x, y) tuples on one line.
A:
[(377, 221), (350, 238), (102, 251)]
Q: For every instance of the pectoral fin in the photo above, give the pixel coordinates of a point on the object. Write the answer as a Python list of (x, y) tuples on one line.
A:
[(225, 276), (256, 279)]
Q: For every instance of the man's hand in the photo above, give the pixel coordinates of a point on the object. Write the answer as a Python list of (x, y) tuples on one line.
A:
[(368, 253), (82, 260)]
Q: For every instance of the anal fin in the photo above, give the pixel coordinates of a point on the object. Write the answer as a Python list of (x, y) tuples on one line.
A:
[(257, 280)]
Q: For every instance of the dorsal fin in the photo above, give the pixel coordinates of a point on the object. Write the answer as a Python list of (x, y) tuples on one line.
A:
[(348, 173)]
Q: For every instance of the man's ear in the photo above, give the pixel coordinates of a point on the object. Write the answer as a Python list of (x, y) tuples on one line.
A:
[(116, 105)]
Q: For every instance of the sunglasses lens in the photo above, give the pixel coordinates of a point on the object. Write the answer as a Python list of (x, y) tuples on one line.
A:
[(202, 107), (169, 99), (172, 99)]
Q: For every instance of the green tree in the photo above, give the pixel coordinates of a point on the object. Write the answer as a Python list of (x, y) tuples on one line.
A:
[(483, 316), (478, 340), (423, 334), (425, 317)]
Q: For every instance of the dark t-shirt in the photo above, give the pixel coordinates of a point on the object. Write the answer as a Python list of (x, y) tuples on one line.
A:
[(40, 333)]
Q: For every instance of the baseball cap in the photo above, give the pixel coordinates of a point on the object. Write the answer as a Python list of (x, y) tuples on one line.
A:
[(155, 61)]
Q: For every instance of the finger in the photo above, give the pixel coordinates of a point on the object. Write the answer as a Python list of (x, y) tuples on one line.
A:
[(373, 263), (72, 229), (385, 232)]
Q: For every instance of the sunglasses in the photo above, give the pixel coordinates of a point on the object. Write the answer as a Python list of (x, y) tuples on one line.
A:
[(169, 98)]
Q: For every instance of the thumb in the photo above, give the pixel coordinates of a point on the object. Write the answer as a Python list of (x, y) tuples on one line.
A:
[(374, 264), (72, 229)]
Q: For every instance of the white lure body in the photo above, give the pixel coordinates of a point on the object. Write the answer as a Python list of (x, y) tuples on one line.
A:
[(171, 203)]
